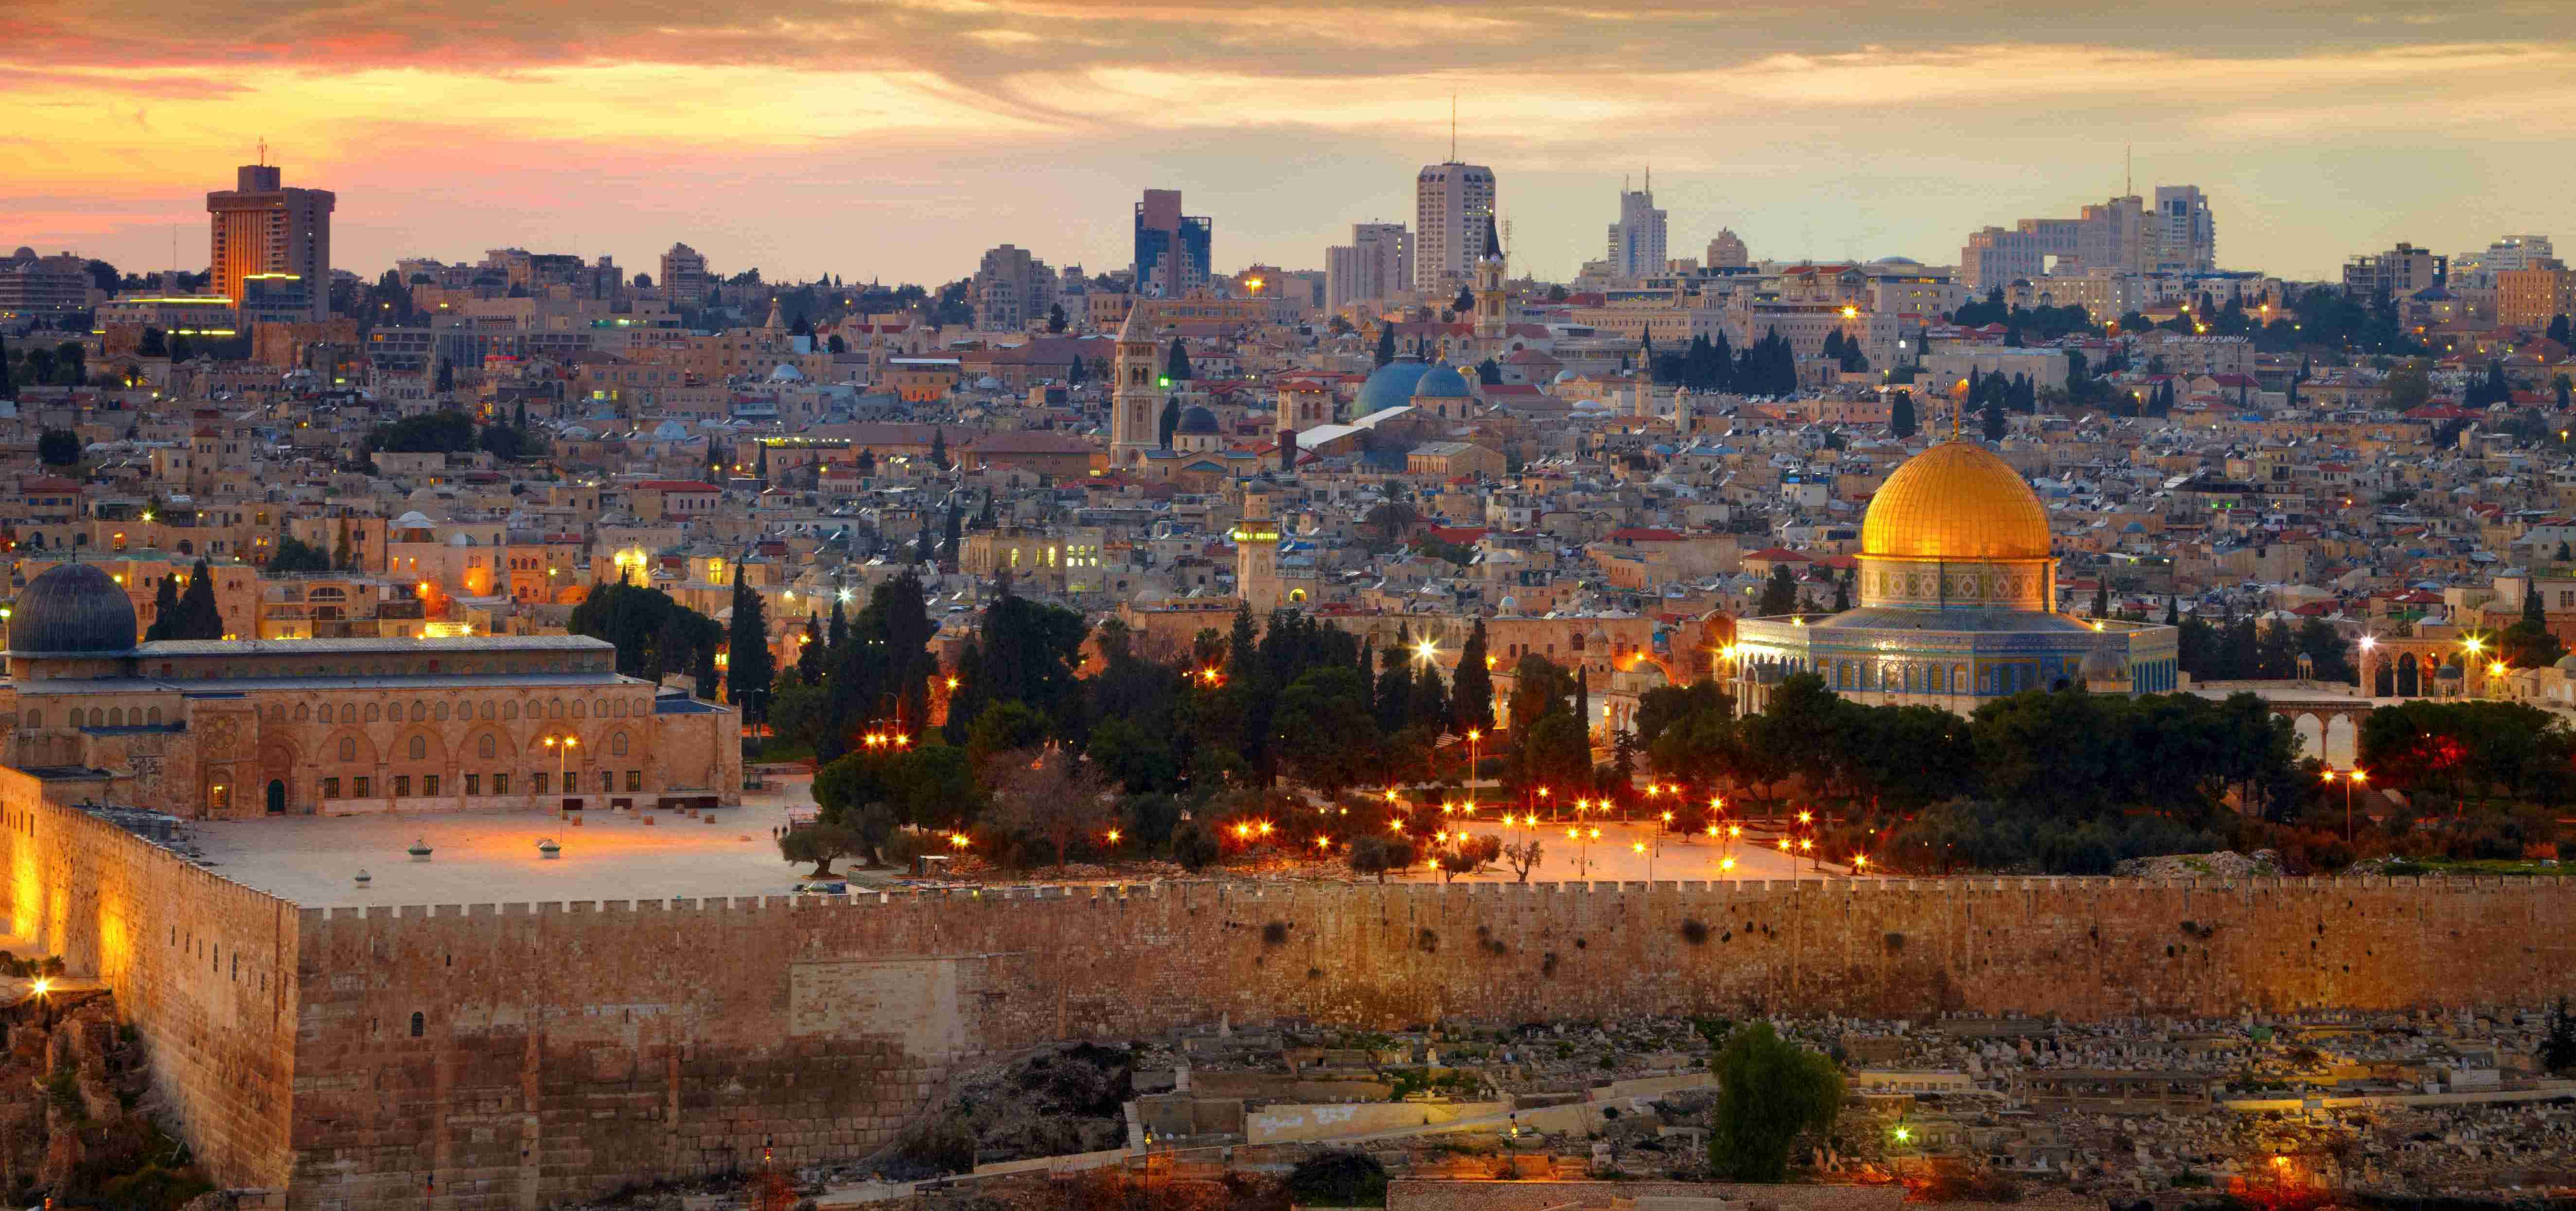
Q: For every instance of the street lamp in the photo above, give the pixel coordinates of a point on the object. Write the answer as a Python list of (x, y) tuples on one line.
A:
[(2351, 778), (563, 747), (1473, 735)]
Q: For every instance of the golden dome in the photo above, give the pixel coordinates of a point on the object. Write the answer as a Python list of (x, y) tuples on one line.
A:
[(1955, 501)]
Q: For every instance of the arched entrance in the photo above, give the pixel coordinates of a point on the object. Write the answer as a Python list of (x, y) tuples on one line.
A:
[(277, 796), (2409, 677)]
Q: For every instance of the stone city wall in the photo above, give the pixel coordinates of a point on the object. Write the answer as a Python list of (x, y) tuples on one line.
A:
[(202, 967), (563, 1050)]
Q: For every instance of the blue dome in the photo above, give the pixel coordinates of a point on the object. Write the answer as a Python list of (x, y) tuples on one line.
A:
[(1197, 420), (1391, 385), (1441, 382)]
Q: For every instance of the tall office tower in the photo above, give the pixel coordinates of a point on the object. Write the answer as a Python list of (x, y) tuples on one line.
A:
[(1727, 251), (1171, 247), (1453, 215), (1637, 239), (263, 230), (2185, 236), (685, 279), (1376, 264)]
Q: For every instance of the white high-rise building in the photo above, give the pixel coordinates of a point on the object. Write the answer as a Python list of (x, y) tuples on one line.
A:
[(1376, 264), (1453, 213), (2507, 255), (2180, 234), (1637, 239)]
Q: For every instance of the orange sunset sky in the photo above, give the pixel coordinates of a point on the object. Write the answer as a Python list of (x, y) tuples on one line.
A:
[(898, 139)]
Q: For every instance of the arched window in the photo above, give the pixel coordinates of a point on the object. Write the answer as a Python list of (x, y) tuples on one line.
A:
[(155, 718), (419, 748), (576, 709), (348, 748), (509, 710), (554, 708), (484, 746), (35, 719), (599, 708), (418, 1025), (116, 716), (617, 745), (487, 710), (373, 713), (442, 711), (419, 711), (300, 712)]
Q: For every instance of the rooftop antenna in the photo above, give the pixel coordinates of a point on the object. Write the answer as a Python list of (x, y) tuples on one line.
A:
[(263, 151)]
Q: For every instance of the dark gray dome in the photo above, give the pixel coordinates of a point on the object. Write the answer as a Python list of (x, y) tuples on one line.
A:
[(1197, 420), (74, 608)]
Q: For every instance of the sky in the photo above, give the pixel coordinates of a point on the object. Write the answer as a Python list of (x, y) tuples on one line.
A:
[(896, 140)]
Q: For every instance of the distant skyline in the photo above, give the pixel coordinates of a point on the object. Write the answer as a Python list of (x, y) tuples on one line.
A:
[(901, 138)]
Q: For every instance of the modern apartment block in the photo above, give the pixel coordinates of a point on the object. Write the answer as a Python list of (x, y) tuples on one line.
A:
[(2120, 234), (1637, 239), (1453, 214), (2398, 272), (1376, 264), (260, 227)]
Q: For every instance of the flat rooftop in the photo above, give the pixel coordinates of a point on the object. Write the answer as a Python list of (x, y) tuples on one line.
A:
[(490, 857)]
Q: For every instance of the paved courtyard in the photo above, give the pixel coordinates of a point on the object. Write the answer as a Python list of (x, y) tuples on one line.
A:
[(491, 857), (1615, 856)]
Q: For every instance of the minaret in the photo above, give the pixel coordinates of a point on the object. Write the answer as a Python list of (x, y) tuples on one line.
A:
[(1256, 554), (1136, 402), (1489, 286)]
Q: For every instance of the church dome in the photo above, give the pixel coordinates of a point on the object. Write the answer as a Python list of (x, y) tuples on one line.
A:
[(1196, 419), (1955, 501), (1441, 382), (73, 608), (1391, 385)]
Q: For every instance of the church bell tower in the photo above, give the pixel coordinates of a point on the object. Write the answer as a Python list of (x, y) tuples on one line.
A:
[(1136, 402)]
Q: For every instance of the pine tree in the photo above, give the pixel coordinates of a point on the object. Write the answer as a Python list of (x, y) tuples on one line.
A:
[(838, 635), (939, 446), (748, 669), (1900, 416), (924, 548), (1176, 367), (2558, 328), (1385, 342), (948, 541), (2102, 600)]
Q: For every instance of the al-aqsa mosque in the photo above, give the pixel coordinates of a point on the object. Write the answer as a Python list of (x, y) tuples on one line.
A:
[(1958, 585)]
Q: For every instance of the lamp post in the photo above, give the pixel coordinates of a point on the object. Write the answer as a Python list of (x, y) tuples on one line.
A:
[(1473, 735), (563, 746), (2350, 777)]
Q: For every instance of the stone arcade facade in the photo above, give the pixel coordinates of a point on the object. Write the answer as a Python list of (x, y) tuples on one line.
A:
[(222, 729)]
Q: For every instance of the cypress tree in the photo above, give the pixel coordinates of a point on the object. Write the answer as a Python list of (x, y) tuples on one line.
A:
[(1900, 416), (199, 616), (749, 671), (1169, 423), (948, 541), (1385, 342), (165, 610), (809, 656), (939, 447), (1471, 688), (1177, 366)]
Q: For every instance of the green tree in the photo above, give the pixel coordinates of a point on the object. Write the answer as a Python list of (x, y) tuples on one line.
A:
[(199, 616), (939, 447), (1489, 372), (165, 611), (1992, 418), (1557, 752), (58, 447), (820, 843), (2410, 386), (1176, 366), (1385, 342), (293, 555), (1900, 415), (1323, 729), (749, 668), (2558, 1044), (1471, 686), (1770, 1091), (1779, 593), (1055, 319)]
